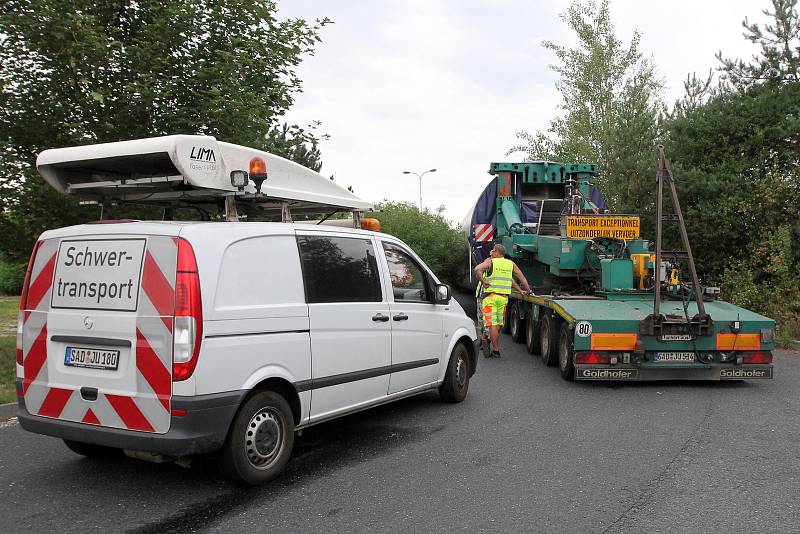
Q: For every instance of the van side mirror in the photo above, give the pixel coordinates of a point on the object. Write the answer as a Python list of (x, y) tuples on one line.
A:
[(442, 294)]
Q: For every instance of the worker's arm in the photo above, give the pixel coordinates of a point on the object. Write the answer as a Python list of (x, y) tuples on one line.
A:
[(518, 274), (482, 268)]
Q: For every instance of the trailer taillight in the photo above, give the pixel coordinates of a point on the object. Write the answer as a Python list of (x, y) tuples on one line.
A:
[(757, 357), (592, 357), (187, 334)]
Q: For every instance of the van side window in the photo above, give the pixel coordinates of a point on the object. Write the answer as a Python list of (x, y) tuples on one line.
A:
[(409, 282), (339, 269)]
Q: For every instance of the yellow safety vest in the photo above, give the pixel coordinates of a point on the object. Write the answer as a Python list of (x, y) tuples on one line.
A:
[(500, 281)]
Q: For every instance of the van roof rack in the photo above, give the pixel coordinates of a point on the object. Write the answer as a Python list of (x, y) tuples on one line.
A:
[(191, 171)]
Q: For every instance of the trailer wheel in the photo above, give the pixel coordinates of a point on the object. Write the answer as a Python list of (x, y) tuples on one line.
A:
[(515, 324), (531, 335), (566, 354), (548, 339)]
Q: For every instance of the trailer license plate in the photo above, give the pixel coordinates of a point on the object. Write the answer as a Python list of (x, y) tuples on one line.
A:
[(680, 357), (91, 358)]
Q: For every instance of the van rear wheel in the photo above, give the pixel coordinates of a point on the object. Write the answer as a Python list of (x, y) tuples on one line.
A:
[(90, 450), (456, 379), (260, 440)]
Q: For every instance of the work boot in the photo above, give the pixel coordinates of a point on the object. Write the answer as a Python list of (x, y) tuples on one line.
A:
[(495, 354)]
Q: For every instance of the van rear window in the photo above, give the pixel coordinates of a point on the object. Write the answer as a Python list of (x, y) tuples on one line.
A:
[(339, 269)]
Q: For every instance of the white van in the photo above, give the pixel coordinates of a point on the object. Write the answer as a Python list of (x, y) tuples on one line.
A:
[(177, 339)]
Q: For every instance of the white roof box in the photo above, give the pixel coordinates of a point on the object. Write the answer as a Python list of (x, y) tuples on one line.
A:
[(185, 170)]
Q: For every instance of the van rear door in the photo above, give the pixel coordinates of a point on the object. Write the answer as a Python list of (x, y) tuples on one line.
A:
[(97, 330)]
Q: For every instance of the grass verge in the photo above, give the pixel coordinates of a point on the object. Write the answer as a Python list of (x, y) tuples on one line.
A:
[(8, 369), (9, 307)]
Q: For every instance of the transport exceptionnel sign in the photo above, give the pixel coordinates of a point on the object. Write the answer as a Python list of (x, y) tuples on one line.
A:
[(592, 226)]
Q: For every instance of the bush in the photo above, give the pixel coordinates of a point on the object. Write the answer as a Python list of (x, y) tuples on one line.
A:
[(442, 247), (11, 277)]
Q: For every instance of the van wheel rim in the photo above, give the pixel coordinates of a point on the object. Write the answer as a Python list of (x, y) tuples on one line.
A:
[(461, 372), (263, 438)]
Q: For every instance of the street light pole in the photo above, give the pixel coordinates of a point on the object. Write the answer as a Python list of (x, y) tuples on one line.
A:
[(420, 183)]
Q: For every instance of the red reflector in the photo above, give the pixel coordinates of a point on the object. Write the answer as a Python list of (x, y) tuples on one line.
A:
[(177, 412), (592, 357), (757, 357)]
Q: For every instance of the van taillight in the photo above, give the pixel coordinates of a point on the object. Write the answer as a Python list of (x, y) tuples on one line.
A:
[(756, 357), (23, 301), (187, 331), (592, 357)]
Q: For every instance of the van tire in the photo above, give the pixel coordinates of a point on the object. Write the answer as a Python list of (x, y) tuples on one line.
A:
[(265, 422), (90, 450), (456, 379)]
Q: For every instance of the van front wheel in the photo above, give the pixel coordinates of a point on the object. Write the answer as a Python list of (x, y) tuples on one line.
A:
[(456, 379), (260, 440)]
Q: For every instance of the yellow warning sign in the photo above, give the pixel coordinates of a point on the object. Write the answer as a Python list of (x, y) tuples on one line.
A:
[(591, 226)]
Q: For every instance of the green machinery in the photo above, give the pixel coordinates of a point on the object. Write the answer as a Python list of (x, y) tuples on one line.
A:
[(608, 304)]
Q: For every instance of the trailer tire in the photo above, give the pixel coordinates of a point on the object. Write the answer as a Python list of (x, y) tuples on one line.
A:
[(566, 354), (548, 339), (531, 335), (515, 324)]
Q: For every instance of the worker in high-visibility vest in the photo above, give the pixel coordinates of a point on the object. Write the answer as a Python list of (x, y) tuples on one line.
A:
[(497, 287)]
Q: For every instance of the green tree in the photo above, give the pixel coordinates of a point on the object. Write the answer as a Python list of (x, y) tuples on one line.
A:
[(735, 151), (96, 71), (610, 111), (778, 61), (296, 143), (442, 247)]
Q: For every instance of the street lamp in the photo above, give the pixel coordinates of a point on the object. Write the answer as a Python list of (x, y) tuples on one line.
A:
[(420, 183)]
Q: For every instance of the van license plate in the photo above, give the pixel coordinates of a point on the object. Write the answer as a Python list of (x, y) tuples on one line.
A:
[(681, 357), (92, 358)]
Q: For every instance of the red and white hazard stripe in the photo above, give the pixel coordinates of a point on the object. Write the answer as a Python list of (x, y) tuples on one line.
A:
[(149, 409), (483, 232)]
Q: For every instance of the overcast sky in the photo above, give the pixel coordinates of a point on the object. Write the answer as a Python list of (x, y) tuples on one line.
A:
[(417, 84)]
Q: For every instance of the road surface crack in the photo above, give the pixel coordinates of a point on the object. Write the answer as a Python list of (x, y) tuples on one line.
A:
[(655, 483)]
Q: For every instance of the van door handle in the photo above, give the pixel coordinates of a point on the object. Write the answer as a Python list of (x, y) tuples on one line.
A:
[(380, 317), (400, 317)]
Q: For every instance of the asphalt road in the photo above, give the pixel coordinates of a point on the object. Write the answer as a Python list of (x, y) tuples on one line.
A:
[(526, 451)]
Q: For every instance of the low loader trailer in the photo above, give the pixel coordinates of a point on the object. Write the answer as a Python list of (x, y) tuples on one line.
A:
[(607, 304)]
